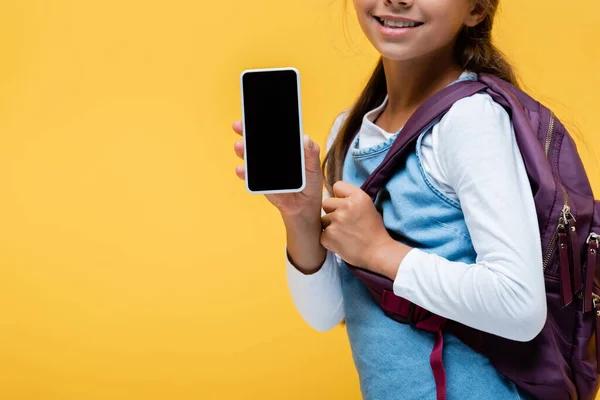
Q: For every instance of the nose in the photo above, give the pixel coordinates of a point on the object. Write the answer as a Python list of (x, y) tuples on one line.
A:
[(400, 3)]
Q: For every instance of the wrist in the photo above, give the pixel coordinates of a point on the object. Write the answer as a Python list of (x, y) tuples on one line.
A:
[(386, 258), (307, 220), (303, 233)]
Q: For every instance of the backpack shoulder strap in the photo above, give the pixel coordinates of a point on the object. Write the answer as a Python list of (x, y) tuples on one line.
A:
[(431, 110)]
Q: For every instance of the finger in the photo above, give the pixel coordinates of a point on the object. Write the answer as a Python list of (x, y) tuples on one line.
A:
[(240, 172), (237, 127), (311, 155), (326, 220), (323, 240), (238, 147), (343, 189), (331, 204)]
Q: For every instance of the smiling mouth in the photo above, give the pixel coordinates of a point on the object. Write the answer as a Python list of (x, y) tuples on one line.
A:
[(397, 24)]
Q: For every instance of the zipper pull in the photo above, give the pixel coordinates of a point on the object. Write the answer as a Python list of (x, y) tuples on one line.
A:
[(575, 250), (565, 276), (590, 298), (596, 303)]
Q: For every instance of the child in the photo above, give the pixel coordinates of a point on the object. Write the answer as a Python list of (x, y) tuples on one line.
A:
[(456, 227)]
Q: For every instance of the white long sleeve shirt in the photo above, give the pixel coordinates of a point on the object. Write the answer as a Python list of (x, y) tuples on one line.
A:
[(472, 156)]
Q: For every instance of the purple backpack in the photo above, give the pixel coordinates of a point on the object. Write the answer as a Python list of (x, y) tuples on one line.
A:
[(562, 361)]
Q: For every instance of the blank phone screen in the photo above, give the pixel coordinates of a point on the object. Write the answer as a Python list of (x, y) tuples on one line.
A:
[(272, 130)]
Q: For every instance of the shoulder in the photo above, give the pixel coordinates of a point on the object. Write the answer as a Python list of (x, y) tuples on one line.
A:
[(335, 128), (475, 128), (475, 115)]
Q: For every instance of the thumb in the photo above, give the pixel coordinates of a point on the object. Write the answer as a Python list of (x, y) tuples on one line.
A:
[(311, 155), (343, 189)]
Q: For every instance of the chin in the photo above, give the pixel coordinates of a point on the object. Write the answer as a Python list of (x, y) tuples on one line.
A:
[(395, 54)]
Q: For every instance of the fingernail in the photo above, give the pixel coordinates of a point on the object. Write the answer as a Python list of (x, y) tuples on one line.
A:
[(310, 142)]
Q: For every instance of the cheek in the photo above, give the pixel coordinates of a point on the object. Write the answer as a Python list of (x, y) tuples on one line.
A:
[(447, 17), (362, 9), (441, 30), (363, 18)]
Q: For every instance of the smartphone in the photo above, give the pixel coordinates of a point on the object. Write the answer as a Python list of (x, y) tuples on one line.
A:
[(272, 128)]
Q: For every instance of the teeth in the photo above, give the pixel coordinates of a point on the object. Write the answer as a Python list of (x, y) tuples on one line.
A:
[(399, 24)]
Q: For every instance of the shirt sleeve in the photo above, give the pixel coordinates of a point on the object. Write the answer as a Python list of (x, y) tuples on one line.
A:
[(503, 291), (318, 297)]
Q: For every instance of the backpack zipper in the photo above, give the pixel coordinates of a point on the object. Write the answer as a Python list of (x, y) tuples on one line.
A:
[(550, 134), (552, 244), (566, 211)]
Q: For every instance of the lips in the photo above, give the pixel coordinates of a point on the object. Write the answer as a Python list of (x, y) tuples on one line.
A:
[(397, 23)]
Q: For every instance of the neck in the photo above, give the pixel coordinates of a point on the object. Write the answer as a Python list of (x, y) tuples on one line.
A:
[(410, 83)]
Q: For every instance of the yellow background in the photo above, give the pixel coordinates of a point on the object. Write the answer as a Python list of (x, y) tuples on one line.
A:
[(133, 264)]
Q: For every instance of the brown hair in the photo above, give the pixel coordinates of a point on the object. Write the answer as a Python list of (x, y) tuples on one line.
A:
[(473, 50)]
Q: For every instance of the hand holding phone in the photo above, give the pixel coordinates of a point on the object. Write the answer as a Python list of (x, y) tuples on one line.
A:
[(280, 161), (272, 125), (293, 204)]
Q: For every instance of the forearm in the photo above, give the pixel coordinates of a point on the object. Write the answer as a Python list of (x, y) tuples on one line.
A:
[(314, 278), (495, 296), (386, 258)]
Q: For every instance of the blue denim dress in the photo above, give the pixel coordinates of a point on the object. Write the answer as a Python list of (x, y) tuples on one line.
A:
[(392, 359)]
